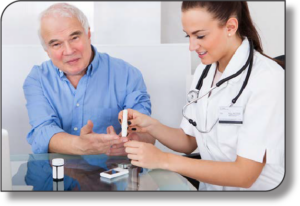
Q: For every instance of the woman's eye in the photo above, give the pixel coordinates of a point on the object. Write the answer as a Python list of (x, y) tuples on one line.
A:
[(200, 37), (187, 36)]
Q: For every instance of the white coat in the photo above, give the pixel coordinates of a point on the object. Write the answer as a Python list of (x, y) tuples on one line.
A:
[(262, 131)]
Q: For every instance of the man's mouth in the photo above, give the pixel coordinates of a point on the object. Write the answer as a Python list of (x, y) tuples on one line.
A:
[(72, 61)]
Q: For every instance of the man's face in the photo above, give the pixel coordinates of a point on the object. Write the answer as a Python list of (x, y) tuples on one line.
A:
[(67, 44)]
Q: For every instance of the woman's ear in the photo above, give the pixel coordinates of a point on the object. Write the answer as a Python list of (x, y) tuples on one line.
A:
[(232, 26)]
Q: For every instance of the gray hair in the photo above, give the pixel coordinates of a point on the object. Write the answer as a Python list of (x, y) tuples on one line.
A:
[(63, 10)]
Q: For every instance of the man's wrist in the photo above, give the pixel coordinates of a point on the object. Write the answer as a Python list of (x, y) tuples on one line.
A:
[(75, 147)]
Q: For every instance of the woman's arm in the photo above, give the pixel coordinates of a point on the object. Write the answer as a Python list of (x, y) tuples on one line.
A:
[(241, 173), (173, 138)]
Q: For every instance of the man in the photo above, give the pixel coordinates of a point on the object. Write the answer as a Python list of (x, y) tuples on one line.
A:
[(75, 97)]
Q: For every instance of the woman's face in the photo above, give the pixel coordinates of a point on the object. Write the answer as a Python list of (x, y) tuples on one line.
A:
[(206, 36)]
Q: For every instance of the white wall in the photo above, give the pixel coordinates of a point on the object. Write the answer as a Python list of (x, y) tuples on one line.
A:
[(20, 21), (127, 23)]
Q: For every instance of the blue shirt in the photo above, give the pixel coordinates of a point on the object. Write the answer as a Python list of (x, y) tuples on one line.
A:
[(54, 105)]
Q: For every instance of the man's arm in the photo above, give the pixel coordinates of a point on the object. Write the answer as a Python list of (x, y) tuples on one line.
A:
[(47, 134), (87, 143), (43, 119)]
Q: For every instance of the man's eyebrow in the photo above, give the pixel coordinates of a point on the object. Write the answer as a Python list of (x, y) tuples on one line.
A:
[(76, 33), (73, 34), (52, 41)]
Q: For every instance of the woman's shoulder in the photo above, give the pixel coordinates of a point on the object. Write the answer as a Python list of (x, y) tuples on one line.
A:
[(266, 72), (263, 64)]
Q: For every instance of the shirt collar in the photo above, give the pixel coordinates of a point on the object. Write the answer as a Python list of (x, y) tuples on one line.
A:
[(237, 61), (91, 68), (94, 64)]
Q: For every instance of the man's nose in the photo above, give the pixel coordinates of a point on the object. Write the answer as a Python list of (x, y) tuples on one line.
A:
[(68, 50)]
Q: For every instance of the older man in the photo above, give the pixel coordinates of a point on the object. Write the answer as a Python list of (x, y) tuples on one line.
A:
[(74, 98)]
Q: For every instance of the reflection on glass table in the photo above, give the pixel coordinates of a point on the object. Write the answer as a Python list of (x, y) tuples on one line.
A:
[(82, 173)]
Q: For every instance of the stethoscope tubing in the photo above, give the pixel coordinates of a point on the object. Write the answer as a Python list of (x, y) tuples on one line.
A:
[(249, 63)]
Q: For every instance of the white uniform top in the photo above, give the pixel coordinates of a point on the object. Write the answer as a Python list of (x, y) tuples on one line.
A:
[(262, 130)]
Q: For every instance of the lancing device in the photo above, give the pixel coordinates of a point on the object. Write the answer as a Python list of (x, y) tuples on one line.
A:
[(124, 123)]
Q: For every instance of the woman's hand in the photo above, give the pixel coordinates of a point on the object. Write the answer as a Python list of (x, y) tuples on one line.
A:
[(145, 155), (138, 122)]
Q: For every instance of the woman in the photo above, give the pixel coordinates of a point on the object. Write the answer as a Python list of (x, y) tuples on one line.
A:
[(241, 143)]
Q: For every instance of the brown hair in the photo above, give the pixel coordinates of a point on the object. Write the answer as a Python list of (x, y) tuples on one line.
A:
[(224, 10)]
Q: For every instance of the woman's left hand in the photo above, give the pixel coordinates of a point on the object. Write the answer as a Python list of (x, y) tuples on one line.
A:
[(145, 155)]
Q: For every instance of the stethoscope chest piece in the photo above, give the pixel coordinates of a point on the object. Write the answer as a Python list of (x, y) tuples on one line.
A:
[(192, 95)]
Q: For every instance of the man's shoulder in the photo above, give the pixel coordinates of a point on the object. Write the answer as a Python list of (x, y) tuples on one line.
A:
[(116, 63), (45, 69)]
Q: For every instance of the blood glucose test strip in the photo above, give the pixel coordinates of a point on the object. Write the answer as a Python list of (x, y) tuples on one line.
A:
[(124, 123)]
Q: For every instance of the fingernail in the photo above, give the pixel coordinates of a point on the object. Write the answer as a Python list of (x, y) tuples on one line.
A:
[(129, 122), (134, 129), (119, 120)]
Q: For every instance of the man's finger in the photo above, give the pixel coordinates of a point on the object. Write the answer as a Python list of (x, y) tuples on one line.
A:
[(116, 146), (108, 139), (111, 130), (88, 128), (117, 152)]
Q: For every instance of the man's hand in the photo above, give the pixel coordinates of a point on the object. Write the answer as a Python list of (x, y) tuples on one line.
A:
[(92, 143), (119, 149)]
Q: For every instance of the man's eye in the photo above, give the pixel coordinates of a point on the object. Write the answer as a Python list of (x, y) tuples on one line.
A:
[(56, 45), (75, 37)]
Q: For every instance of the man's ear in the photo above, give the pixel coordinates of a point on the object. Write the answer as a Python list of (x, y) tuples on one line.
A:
[(232, 26), (46, 50), (89, 33)]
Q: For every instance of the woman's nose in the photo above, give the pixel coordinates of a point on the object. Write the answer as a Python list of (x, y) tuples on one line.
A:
[(193, 45)]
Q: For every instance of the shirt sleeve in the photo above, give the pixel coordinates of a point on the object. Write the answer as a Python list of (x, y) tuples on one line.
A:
[(263, 126), (137, 97), (42, 117)]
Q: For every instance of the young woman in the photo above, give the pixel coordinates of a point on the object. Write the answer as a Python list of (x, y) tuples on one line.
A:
[(238, 127)]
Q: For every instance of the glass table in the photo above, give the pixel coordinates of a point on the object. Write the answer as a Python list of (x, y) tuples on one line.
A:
[(82, 173)]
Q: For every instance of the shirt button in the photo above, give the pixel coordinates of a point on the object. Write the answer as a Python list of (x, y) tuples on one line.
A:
[(75, 128), (77, 104)]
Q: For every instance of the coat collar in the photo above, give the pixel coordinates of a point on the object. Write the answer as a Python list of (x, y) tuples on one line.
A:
[(237, 61)]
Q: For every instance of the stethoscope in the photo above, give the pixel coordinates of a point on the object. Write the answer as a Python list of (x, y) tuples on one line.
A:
[(193, 95)]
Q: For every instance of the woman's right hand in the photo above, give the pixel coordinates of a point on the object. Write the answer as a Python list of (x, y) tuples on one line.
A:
[(138, 122)]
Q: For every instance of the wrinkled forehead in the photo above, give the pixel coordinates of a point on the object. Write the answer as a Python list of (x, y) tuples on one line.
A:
[(58, 23), (59, 27)]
